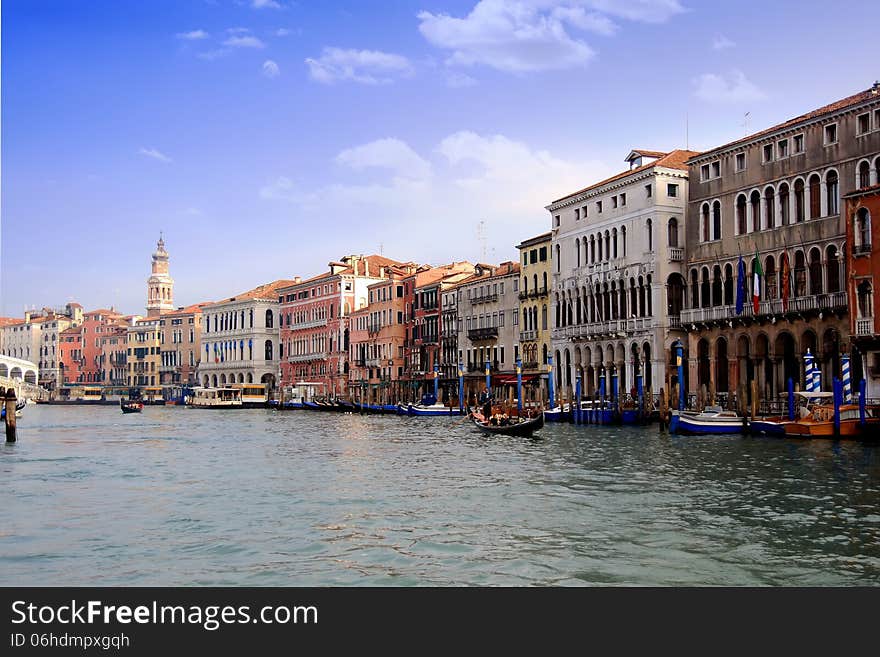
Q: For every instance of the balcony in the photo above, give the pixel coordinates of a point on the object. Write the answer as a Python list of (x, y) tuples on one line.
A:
[(374, 327), (676, 254), (486, 298), (531, 365), (307, 325), (865, 326), (861, 249), (525, 336), (816, 302), (675, 321), (304, 358), (376, 362), (487, 333)]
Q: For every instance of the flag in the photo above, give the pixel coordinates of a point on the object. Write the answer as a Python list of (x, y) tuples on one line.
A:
[(740, 286), (786, 280), (757, 273)]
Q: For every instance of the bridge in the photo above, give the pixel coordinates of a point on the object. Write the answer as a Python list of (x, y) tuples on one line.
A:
[(21, 375)]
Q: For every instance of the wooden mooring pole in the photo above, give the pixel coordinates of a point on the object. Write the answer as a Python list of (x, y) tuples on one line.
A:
[(10, 415)]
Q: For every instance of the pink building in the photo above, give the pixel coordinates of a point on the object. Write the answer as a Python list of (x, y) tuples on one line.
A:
[(315, 321), (71, 355), (95, 325)]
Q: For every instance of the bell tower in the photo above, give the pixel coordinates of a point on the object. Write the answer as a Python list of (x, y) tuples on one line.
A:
[(160, 286)]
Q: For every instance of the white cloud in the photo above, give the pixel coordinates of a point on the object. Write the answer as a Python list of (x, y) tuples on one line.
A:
[(155, 154), (467, 177), (282, 32), (211, 55), (715, 88), (195, 35), (364, 66), (459, 80), (721, 42), (390, 153), (238, 30), (244, 42), (265, 4), (533, 35), (270, 69)]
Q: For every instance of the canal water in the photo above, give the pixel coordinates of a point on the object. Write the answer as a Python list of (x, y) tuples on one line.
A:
[(179, 496)]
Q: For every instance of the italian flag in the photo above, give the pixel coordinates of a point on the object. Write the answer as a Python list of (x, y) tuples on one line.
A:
[(757, 273)]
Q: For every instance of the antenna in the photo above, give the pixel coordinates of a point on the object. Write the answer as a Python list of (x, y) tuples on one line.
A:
[(745, 123), (687, 131), (481, 238), (381, 248)]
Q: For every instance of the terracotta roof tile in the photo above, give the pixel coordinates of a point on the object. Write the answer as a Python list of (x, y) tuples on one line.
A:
[(676, 159), (265, 291)]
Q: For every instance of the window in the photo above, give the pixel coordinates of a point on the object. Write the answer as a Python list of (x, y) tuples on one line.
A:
[(648, 191), (863, 123), (543, 251), (577, 214), (673, 232), (556, 221), (623, 199), (716, 220), (613, 202), (830, 134), (741, 213), (672, 191), (716, 169), (782, 148), (585, 212), (704, 172), (599, 207), (768, 152), (798, 143), (831, 188)]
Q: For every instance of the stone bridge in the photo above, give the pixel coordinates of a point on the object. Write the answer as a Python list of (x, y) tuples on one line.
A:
[(21, 375)]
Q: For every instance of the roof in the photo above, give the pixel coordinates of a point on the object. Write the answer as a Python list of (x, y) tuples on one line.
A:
[(676, 159), (71, 331), (188, 310), (103, 311), (864, 191), (504, 269), (543, 237), (9, 321), (264, 291), (437, 274), (376, 262), (860, 97)]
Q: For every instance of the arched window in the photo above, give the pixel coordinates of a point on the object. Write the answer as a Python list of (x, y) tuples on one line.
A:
[(704, 222), (815, 272), (535, 282), (728, 285), (864, 175), (741, 212), (614, 242), (784, 214), (577, 248), (673, 232), (650, 230), (623, 240), (833, 265), (862, 232), (525, 287), (544, 318), (832, 192), (770, 207), (674, 295), (704, 288), (592, 249), (716, 220), (770, 278), (558, 260), (270, 318), (865, 299), (607, 245), (544, 289), (695, 289), (717, 286), (815, 196), (799, 211), (800, 274), (755, 200)]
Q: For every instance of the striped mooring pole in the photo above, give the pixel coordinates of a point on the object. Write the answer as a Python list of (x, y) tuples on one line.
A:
[(847, 380)]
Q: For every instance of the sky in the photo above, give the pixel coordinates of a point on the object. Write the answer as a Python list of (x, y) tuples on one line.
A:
[(265, 138)]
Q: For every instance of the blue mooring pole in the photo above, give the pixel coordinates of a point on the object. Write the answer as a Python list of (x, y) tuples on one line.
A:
[(679, 362), (790, 398), (519, 385), (460, 387), (576, 413), (863, 389), (488, 377), (615, 393), (436, 383), (640, 390), (601, 396), (551, 392)]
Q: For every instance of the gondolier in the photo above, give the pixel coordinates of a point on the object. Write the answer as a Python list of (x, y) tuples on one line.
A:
[(486, 402)]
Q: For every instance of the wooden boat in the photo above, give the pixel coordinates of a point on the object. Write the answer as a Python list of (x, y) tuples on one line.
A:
[(130, 405), (815, 418), (508, 425), (711, 421)]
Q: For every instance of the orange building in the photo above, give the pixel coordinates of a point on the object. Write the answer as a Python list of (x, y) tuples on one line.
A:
[(95, 325), (70, 355)]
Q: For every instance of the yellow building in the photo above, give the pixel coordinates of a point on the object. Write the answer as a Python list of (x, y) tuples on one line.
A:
[(144, 355), (534, 311)]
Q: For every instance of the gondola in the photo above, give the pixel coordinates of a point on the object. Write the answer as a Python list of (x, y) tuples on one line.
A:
[(515, 427), (19, 407), (130, 405)]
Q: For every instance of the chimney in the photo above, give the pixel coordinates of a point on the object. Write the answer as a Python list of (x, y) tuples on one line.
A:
[(366, 267), (875, 89)]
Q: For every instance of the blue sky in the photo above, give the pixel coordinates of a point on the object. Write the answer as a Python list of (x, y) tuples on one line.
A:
[(268, 137)]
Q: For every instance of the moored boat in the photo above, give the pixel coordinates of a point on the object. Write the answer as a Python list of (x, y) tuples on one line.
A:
[(431, 410), (711, 421), (216, 398)]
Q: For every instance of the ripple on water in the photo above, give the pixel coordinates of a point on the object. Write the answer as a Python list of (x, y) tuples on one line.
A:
[(181, 497)]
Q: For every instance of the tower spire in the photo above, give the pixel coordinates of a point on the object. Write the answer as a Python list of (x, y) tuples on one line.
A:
[(160, 285)]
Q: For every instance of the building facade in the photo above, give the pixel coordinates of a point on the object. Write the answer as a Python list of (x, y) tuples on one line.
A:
[(534, 308), (143, 353), (617, 245), (70, 356), (95, 325), (240, 338), (774, 199), (181, 342)]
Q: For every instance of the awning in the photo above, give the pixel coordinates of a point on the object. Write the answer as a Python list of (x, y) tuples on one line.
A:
[(505, 379)]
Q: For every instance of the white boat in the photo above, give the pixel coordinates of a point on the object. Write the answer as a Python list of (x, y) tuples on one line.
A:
[(216, 398), (713, 420)]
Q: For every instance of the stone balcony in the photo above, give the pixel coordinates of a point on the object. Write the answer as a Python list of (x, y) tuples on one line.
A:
[(487, 333), (814, 303), (865, 326), (525, 336), (306, 325), (304, 358), (237, 364), (676, 254), (611, 328)]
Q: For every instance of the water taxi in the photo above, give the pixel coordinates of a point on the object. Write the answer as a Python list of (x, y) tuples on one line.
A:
[(153, 396), (712, 420), (253, 395), (216, 398)]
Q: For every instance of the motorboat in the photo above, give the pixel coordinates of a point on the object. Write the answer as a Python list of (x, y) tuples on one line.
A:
[(712, 420)]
